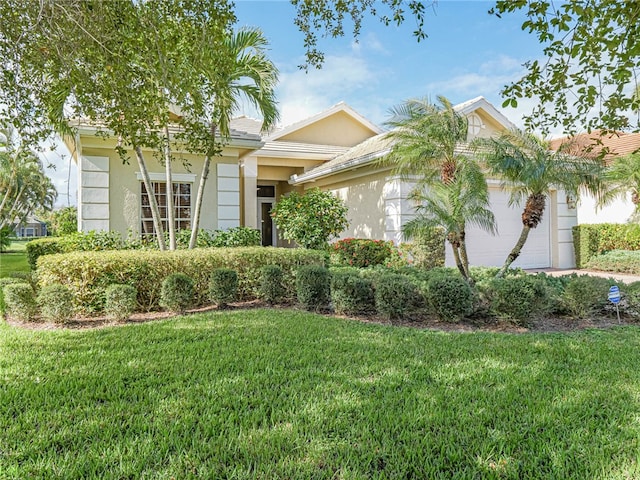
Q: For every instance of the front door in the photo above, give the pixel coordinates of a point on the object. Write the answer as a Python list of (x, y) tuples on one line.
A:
[(265, 221)]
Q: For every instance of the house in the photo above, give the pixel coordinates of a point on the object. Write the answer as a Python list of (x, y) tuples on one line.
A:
[(335, 150), (30, 227), (609, 146)]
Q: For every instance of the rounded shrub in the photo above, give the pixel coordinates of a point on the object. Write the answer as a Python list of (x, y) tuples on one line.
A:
[(120, 301), (223, 286), (20, 301), (177, 292), (351, 294), (585, 296), (519, 298), (3, 282), (272, 288), (394, 295), (450, 297), (56, 303), (361, 252), (313, 287)]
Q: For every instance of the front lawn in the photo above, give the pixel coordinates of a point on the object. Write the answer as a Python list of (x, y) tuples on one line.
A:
[(14, 259), (281, 394)]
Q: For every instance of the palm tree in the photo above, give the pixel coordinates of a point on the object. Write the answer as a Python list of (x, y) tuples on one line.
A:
[(425, 136), (449, 189), (453, 206), (251, 76), (529, 171), (623, 177)]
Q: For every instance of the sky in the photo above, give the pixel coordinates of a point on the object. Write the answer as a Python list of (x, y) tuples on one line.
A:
[(468, 53)]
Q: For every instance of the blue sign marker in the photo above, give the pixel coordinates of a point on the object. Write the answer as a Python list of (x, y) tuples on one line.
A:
[(614, 294)]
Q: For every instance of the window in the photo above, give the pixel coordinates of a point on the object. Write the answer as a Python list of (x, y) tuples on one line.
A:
[(181, 201)]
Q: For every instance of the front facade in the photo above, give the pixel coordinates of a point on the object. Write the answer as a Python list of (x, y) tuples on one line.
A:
[(336, 150)]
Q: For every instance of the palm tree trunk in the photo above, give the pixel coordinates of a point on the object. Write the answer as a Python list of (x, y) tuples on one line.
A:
[(515, 252), (195, 222), (464, 258), (456, 256), (171, 213), (155, 213)]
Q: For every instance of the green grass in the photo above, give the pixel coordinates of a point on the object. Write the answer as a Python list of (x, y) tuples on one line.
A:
[(14, 259), (275, 394)]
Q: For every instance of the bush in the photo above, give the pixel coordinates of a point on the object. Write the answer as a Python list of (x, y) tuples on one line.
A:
[(88, 274), (3, 283), (223, 288), (351, 294), (311, 219), (177, 292), (616, 261), (585, 296), (518, 298), (592, 240), (449, 296), (236, 237), (426, 249), (43, 246), (313, 287), (56, 303), (394, 295), (272, 289), (20, 301), (120, 301), (361, 252)]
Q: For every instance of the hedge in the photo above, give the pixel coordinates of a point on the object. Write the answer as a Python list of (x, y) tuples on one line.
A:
[(591, 240), (621, 261), (88, 274)]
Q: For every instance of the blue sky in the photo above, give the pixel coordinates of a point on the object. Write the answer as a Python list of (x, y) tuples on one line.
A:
[(467, 53)]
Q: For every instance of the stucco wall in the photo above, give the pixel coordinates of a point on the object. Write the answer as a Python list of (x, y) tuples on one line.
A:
[(337, 129), (124, 186), (618, 211)]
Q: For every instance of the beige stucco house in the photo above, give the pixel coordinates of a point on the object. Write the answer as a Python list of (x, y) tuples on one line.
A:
[(335, 150)]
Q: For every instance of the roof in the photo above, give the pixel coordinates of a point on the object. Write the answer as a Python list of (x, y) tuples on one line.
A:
[(380, 145), (311, 150), (597, 143), (339, 107), (249, 125)]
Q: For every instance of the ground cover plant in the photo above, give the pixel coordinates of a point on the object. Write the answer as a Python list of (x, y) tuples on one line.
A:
[(264, 394)]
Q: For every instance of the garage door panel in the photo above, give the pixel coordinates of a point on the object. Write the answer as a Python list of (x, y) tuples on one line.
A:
[(492, 250)]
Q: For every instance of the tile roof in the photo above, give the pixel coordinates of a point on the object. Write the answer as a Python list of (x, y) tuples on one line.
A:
[(611, 145)]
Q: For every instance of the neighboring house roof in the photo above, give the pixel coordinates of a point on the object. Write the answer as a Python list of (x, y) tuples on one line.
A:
[(376, 147), (339, 107), (598, 143), (249, 125)]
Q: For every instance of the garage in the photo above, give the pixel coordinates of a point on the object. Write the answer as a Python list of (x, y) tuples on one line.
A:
[(492, 250)]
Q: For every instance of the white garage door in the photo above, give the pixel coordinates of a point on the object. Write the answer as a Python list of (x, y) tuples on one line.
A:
[(489, 250)]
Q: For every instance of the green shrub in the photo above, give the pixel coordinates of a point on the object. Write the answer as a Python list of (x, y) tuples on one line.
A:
[(223, 287), (426, 249), (88, 274), (3, 282), (449, 296), (43, 246), (351, 294), (616, 261), (120, 301), (236, 237), (177, 292), (585, 296), (361, 252), (272, 289), (56, 303), (592, 240), (313, 287), (20, 301), (394, 295), (519, 298)]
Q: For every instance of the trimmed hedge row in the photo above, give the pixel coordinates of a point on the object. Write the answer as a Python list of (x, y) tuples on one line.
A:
[(88, 274), (592, 240)]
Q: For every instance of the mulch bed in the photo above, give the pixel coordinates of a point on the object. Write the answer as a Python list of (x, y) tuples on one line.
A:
[(549, 324)]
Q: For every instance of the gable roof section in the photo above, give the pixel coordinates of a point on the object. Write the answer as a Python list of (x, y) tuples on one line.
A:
[(380, 145), (609, 144), (470, 106), (339, 107)]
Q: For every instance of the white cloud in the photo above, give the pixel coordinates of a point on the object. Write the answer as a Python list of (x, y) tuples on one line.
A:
[(62, 171)]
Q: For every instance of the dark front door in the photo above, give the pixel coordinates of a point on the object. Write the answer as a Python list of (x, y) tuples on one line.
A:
[(266, 223)]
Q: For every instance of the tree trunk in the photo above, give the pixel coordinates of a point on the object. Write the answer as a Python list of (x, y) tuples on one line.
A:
[(195, 222), (8, 220), (456, 257), (171, 212), (464, 258), (155, 213), (515, 253)]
